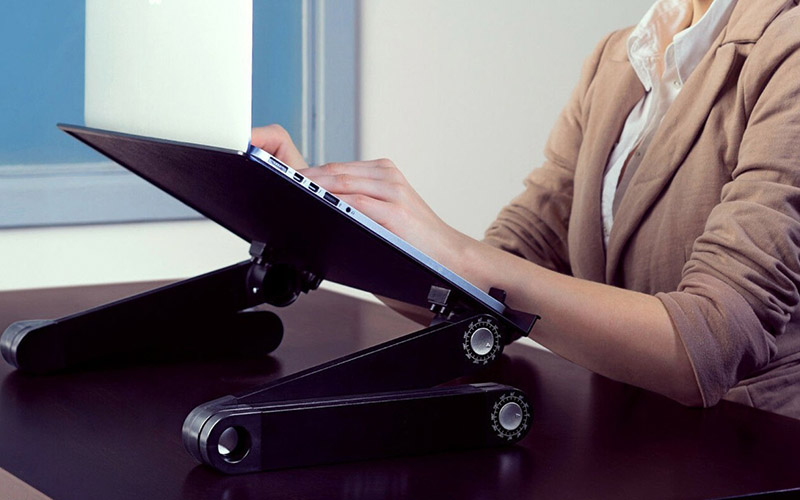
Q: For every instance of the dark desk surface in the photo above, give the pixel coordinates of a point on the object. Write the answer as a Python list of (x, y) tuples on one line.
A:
[(115, 433)]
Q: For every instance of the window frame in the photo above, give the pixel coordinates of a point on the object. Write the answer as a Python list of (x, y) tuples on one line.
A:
[(39, 195)]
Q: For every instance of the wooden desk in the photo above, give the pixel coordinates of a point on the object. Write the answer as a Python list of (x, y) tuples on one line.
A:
[(115, 433)]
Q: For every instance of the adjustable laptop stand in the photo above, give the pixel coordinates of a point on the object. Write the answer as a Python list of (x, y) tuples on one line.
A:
[(377, 402)]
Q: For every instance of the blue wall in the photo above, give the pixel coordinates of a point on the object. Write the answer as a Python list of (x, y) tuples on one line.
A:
[(41, 81), (277, 64), (42, 72)]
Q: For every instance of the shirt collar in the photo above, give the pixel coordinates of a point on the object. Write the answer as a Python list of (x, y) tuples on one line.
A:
[(666, 22), (691, 45)]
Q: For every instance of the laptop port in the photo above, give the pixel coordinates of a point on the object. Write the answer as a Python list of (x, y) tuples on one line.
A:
[(331, 199), (277, 164)]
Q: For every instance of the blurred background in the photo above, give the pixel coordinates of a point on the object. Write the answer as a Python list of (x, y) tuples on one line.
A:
[(460, 94)]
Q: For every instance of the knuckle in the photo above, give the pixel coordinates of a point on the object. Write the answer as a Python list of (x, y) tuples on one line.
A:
[(396, 176), (360, 200), (386, 163), (345, 181), (277, 130), (333, 168)]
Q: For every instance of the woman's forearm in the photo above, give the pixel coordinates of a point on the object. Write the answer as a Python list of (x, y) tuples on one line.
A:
[(621, 334), (624, 335)]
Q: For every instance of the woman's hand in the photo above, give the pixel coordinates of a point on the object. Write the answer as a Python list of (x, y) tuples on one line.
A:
[(375, 188), (276, 141), (379, 190)]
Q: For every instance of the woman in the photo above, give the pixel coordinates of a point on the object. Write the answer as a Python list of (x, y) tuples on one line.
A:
[(660, 240)]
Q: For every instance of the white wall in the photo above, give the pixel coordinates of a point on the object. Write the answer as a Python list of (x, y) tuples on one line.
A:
[(462, 91), (63, 256), (461, 94)]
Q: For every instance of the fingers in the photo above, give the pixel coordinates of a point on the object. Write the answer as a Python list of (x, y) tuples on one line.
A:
[(376, 188), (270, 138), (382, 169), (382, 212), (276, 141), (352, 184), (379, 179)]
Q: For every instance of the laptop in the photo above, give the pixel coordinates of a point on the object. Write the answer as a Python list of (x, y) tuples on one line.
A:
[(168, 91), (171, 69)]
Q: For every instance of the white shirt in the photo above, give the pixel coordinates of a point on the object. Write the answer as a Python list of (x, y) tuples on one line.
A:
[(663, 52)]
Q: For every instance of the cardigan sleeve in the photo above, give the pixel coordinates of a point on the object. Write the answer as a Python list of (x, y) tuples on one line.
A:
[(534, 224), (739, 289)]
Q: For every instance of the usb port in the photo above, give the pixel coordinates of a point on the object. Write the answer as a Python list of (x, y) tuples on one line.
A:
[(313, 187), (298, 177), (277, 164), (331, 199)]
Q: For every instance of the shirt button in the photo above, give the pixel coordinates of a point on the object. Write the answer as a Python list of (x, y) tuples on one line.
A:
[(677, 84)]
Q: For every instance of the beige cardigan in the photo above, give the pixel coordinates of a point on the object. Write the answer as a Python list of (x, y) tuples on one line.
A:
[(709, 222)]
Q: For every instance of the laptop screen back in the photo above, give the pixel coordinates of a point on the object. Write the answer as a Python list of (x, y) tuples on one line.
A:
[(171, 69)]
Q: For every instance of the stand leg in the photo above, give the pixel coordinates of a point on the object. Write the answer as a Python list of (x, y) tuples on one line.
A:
[(425, 358), (164, 318), (370, 399), (302, 433)]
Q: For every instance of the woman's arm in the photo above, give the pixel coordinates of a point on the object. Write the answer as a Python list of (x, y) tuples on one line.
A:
[(621, 334), (624, 335)]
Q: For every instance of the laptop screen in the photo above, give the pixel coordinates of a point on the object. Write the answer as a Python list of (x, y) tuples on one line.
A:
[(172, 69)]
